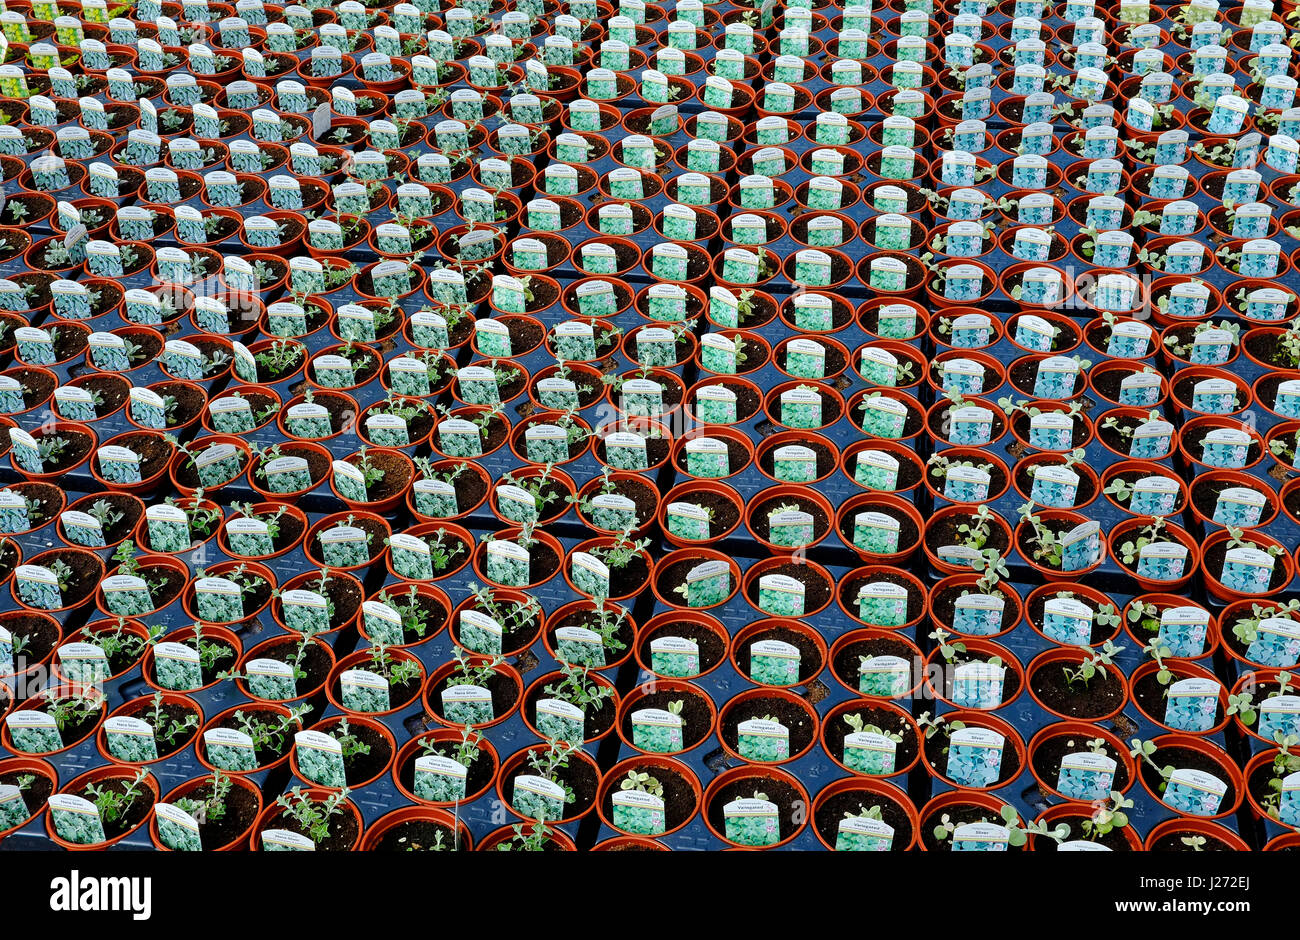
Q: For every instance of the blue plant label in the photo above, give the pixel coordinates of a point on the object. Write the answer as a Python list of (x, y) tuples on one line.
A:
[(1239, 506), (752, 822), (1279, 713), (230, 750), (961, 556), (884, 676), (1051, 430), (1129, 340), (966, 484), (1247, 570), (1191, 704), (1140, 389), (962, 375), (1054, 486), (1086, 776), (978, 685), (1068, 621), (970, 426), (1183, 630), (122, 465), (1194, 792), (978, 614), (1288, 807), (1214, 396), (1154, 496), (1081, 546), (1152, 440), (970, 331), (1286, 400), (980, 837), (859, 834), (1162, 561), (1276, 643), (974, 757), (656, 731)]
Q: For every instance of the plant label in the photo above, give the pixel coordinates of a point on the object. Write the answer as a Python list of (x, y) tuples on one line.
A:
[(1279, 713), (674, 657), (1276, 643), (76, 820), (860, 834), (271, 679), (34, 732), (876, 470), (1068, 621), (978, 614), (975, 757), (177, 667), (230, 750), (638, 813), (219, 600), (780, 596), (344, 546), (978, 685), (130, 739), (869, 752), (656, 731), (774, 662), (1081, 546), (980, 837), (85, 663), (178, 830), (578, 646), (305, 612), (882, 604), (1086, 776), (752, 822), (884, 676), (467, 704), (440, 779), (538, 798), (560, 719), (364, 691), (283, 840), (320, 758), (1194, 792)]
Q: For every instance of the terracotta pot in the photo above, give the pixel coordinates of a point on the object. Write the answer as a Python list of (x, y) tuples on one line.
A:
[(749, 779), (1227, 772), (709, 634), (462, 840), (659, 767), (403, 773), (273, 814), (99, 776), (1194, 827)]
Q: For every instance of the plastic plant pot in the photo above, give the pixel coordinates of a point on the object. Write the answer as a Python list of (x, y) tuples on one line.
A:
[(1183, 750), (844, 796), (100, 776), (506, 686), (1015, 755), (780, 787), (1055, 683), (483, 770)]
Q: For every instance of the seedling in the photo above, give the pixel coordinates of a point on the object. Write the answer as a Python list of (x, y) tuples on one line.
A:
[(641, 782), (855, 722), (212, 809), (1095, 664), (576, 689), (168, 729), (1107, 816), (270, 734), (113, 805), (312, 816)]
